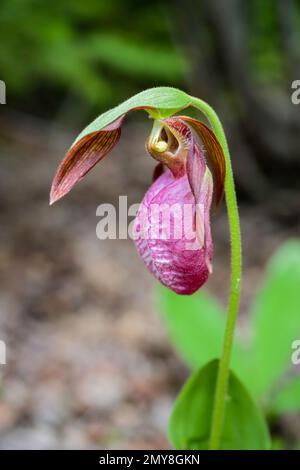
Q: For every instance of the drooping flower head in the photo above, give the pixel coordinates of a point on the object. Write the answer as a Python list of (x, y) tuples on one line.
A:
[(172, 227)]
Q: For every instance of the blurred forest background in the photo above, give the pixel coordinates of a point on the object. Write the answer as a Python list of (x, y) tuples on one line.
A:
[(89, 364)]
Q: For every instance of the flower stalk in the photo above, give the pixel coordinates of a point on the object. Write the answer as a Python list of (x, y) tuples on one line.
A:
[(236, 272)]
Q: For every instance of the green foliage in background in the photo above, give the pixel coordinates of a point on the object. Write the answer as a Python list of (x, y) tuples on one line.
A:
[(275, 39), (100, 50), (103, 50), (262, 360)]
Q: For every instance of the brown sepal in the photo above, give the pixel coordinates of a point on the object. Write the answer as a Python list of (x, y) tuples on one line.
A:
[(82, 157), (215, 153)]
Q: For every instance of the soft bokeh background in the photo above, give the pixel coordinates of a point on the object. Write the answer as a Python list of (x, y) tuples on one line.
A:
[(89, 364)]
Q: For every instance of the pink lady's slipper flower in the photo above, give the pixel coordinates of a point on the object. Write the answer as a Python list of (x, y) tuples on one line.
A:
[(172, 226)]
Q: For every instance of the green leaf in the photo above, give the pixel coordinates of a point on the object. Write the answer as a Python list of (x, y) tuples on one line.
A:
[(196, 327), (276, 317), (166, 99), (190, 421), (278, 444), (288, 397)]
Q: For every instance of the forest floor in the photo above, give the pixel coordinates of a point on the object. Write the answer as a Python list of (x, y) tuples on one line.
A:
[(89, 364)]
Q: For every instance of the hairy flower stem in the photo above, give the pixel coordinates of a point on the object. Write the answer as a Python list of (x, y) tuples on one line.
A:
[(236, 270)]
